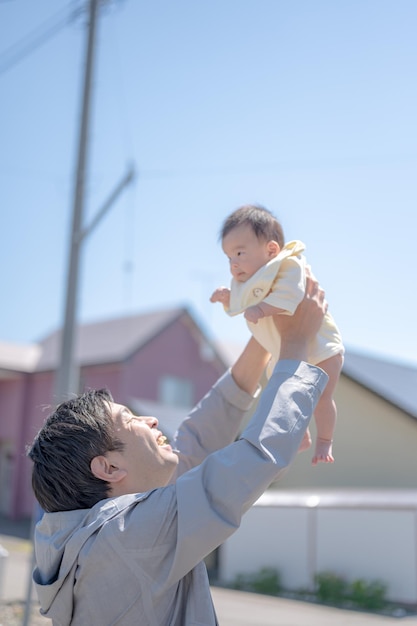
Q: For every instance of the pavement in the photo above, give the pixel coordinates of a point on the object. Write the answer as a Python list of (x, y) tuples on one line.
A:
[(234, 608)]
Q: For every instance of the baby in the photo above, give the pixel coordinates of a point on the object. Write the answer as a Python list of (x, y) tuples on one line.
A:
[(268, 278)]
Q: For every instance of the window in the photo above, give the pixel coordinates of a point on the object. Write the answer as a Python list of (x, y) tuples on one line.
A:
[(175, 391)]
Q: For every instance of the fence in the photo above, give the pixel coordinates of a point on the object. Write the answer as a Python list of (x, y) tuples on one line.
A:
[(354, 534)]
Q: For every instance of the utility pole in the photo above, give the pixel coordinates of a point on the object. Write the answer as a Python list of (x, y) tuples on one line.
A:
[(67, 375), (66, 378)]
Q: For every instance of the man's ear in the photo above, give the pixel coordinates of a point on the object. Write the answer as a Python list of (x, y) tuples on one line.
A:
[(273, 248), (103, 468)]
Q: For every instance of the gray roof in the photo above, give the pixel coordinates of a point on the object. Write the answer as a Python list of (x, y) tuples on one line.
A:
[(100, 343), (19, 357), (394, 381), (109, 341)]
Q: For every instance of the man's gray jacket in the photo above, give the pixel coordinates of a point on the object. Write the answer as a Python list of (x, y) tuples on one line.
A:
[(136, 560)]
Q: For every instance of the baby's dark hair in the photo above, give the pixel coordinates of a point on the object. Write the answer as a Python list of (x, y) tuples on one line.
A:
[(78, 430), (263, 223)]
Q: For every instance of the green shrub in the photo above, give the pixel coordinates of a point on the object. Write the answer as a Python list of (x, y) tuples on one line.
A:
[(368, 595), (267, 581), (330, 588), (242, 582), (333, 589)]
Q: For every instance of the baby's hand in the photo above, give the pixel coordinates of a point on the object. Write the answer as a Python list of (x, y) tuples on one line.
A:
[(254, 313), (222, 294)]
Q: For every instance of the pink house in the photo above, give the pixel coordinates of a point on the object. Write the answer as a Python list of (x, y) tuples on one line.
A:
[(161, 362)]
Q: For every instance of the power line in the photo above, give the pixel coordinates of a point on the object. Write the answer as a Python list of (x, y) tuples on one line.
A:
[(18, 51)]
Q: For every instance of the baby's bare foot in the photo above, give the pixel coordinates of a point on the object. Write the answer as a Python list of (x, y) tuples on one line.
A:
[(323, 453)]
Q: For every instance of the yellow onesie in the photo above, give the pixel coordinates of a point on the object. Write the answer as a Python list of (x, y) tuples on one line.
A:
[(281, 283)]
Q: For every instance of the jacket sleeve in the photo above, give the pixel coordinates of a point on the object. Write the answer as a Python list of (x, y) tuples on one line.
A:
[(212, 497), (212, 424)]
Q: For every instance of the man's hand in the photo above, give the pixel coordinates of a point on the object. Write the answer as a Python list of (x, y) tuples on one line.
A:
[(298, 330)]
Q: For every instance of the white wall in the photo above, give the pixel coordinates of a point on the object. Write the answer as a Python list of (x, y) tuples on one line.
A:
[(355, 534)]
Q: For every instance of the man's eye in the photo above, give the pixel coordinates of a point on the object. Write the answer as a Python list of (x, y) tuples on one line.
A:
[(128, 416)]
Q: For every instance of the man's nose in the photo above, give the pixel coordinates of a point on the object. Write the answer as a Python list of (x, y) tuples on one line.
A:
[(151, 421)]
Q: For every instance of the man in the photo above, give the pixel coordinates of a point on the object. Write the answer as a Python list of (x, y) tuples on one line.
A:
[(129, 518)]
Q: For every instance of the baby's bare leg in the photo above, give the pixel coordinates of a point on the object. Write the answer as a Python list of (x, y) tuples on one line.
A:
[(306, 441), (325, 413)]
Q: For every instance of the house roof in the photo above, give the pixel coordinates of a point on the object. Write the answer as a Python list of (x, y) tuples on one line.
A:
[(394, 381), (109, 341), (19, 357), (115, 340), (99, 343)]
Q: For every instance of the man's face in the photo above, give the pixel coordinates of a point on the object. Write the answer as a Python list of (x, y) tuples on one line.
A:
[(246, 253), (148, 458)]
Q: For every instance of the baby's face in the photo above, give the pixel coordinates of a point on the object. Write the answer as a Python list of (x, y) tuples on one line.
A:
[(246, 253)]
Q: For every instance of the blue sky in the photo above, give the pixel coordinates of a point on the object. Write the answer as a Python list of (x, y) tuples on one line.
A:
[(305, 106)]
